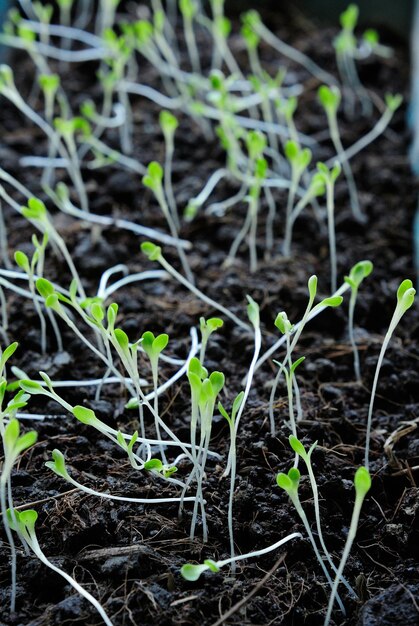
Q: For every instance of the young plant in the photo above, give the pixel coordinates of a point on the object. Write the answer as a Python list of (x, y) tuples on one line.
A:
[(361, 270), (191, 572), (154, 253), (346, 53), (23, 522), (290, 483), (299, 450), (286, 328), (330, 99), (169, 124), (154, 181), (13, 445), (328, 178), (362, 483), (237, 411), (405, 298), (231, 419), (204, 391), (207, 327), (153, 346), (299, 160)]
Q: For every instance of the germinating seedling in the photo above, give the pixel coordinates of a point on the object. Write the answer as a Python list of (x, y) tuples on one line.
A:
[(300, 450), (330, 99), (289, 483), (357, 274), (154, 253), (13, 445), (23, 522), (362, 483), (405, 298), (153, 346), (192, 572), (286, 329), (328, 177), (207, 327)]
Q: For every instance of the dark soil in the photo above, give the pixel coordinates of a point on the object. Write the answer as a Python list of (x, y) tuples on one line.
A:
[(129, 556)]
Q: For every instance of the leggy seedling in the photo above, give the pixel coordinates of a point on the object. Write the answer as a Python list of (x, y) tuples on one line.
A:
[(405, 298), (153, 346), (24, 524), (207, 327), (357, 274), (362, 483), (13, 444), (289, 483), (192, 572)]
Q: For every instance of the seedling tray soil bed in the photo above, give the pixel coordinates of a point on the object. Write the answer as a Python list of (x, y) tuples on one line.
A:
[(129, 555)]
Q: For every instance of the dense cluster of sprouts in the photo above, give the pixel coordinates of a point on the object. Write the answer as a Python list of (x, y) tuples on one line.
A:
[(253, 115)]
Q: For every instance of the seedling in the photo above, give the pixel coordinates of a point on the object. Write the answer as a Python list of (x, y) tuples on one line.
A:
[(405, 298), (191, 572), (289, 483), (23, 522), (154, 181), (330, 99), (328, 177), (154, 253), (13, 445), (207, 327), (357, 274), (300, 450), (286, 328), (362, 483), (153, 346)]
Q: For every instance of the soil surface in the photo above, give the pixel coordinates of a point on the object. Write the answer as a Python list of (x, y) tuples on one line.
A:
[(129, 556)]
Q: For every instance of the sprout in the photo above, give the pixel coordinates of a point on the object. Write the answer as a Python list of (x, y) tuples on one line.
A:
[(191, 572), (405, 298), (154, 253), (13, 445), (328, 177), (23, 522), (361, 270), (330, 99), (362, 483), (207, 327)]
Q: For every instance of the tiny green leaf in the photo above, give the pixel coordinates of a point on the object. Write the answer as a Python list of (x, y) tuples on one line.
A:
[(362, 482)]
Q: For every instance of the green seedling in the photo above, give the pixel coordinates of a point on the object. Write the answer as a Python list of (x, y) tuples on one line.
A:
[(328, 177), (189, 10), (287, 329), (59, 467), (207, 327), (346, 54), (13, 445), (232, 455), (237, 411), (405, 298), (204, 391), (290, 483), (300, 450), (169, 124), (34, 267), (362, 483), (23, 523), (154, 253), (357, 274), (154, 181), (192, 572), (330, 98), (299, 160), (257, 169), (153, 346)]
